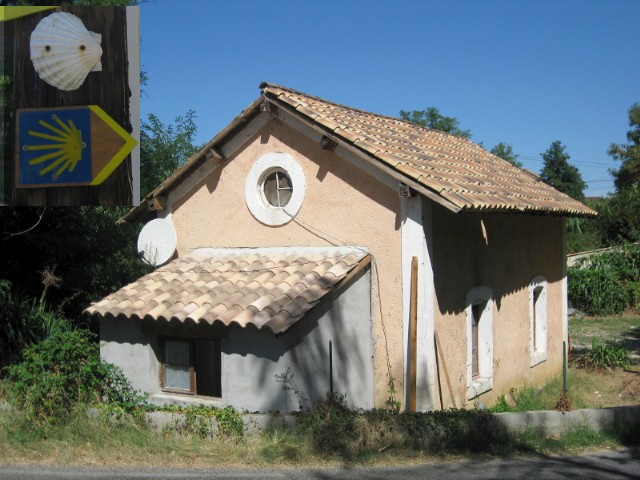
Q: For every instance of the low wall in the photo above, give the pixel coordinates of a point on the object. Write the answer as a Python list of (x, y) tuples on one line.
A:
[(550, 422), (557, 423)]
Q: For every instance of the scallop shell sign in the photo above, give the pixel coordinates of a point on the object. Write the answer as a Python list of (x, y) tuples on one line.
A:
[(63, 51)]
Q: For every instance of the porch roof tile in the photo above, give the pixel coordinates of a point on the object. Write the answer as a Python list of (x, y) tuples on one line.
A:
[(227, 286)]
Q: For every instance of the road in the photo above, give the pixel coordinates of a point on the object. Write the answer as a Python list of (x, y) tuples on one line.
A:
[(621, 464)]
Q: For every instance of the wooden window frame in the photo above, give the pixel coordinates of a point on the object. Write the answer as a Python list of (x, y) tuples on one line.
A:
[(193, 384), (163, 365)]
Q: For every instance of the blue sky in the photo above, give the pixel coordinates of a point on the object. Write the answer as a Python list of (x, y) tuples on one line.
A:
[(522, 72)]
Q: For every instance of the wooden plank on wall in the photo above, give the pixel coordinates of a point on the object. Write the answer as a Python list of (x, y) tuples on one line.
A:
[(413, 335)]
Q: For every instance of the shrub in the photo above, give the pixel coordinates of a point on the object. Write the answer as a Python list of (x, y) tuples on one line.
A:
[(24, 321), (604, 356), (62, 371), (334, 428), (607, 283)]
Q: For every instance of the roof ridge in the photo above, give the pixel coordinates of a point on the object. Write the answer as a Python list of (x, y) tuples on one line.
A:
[(264, 85)]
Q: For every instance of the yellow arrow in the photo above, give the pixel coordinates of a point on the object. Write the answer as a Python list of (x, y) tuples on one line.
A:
[(11, 13), (116, 159)]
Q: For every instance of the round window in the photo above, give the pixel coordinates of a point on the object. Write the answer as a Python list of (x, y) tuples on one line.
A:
[(275, 189)]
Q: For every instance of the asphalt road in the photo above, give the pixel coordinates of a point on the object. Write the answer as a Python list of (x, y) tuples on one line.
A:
[(621, 464)]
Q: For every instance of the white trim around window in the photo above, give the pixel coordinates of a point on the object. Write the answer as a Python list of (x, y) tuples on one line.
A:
[(257, 199), (537, 320), (479, 313)]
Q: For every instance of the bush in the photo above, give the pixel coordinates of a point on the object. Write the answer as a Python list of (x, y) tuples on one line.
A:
[(63, 371), (607, 283), (24, 321)]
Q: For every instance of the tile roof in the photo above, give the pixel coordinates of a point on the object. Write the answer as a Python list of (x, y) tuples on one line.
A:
[(263, 287), (448, 169), (463, 174)]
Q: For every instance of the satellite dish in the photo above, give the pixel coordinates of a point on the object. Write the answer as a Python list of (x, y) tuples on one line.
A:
[(157, 242)]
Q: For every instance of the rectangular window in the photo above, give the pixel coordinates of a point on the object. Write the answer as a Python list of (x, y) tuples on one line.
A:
[(191, 366)]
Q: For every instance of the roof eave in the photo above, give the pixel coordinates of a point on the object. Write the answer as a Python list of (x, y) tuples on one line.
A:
[(210, 152)]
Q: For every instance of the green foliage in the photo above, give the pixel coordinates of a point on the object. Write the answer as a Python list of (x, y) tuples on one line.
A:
[(628, 175), (505, 152), (558, 173), (94, 257), (197, 421), (23, 322), (63, 371), (525, 400), (432, 118), (163, 148), (620, 217), (604, 356), (606, 283)]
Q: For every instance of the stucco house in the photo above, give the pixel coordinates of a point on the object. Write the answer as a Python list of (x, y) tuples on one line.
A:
[(319, 244)]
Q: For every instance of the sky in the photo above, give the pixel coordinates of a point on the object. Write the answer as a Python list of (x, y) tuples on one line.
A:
[(525, 72)]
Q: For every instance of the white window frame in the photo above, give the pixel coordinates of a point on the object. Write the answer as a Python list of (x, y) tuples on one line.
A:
[(484, 381), (254, 193), (537, 321)]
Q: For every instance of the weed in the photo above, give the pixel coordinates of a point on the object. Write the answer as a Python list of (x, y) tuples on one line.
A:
[(286, 379), (604, 356), (197, 420), (392, 402)]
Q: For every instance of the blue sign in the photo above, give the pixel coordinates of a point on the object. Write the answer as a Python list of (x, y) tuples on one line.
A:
[(54, 147)]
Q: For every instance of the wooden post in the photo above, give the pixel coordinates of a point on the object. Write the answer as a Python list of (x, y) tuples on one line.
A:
[(413, 335)]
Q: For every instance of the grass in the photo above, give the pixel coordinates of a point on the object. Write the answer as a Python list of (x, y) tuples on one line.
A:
[(98, 441), (626, 328), (334, 437), (589, 389)]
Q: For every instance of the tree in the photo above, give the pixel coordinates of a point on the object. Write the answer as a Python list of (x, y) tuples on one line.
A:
[(558, 173), (629, 172), (431, 118), (505, 152), (163, 148)]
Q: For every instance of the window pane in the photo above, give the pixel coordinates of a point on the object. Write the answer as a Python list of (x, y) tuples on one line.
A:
[(270, 189), (177, 353), (177, 377), (277, 189)]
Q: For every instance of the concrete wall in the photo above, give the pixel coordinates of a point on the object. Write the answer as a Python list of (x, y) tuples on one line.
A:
[(503, 252), (342, 204), (252, 358)]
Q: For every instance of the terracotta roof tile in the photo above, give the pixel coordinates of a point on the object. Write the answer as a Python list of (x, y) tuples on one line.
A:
[(453, 167), (268, 287)]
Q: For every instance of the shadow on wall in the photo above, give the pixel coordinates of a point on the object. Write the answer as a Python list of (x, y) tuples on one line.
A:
[(344, 319), (501, 251)]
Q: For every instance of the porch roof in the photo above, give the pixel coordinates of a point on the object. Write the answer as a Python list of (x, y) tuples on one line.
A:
[(263, 287)]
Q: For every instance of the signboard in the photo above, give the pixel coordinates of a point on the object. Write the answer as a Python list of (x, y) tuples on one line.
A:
[(11, 13), (68, 146)]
